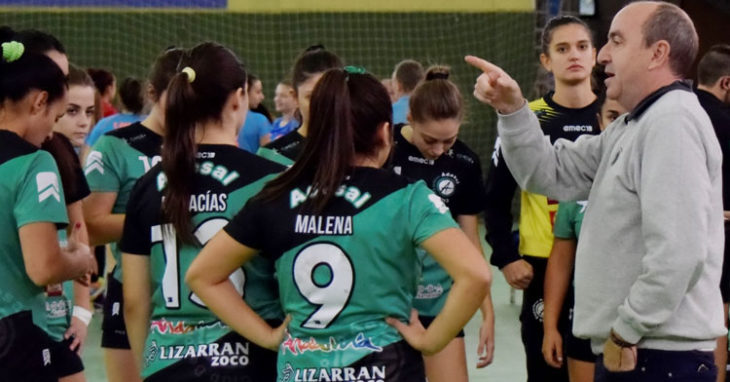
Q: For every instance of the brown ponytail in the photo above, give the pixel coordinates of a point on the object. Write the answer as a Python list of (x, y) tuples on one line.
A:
[(192, 100), (346, 110)]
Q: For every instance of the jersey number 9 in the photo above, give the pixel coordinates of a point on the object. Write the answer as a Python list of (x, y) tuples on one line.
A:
[(330, 296)]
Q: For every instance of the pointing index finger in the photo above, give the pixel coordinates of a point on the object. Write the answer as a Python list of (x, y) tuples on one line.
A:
[(482, 64)]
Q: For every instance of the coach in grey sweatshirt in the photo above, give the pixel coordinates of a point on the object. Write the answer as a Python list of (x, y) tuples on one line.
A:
[(650, 252)]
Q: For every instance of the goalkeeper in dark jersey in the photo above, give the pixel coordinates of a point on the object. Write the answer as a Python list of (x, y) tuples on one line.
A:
[(308, 69), (32, 98), (428, 149), (203, 180), (112, 167), (343, 234), (568, 112)]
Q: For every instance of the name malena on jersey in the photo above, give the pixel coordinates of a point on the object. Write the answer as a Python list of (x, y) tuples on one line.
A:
[(332, 374), (323, 225), (220, 354)]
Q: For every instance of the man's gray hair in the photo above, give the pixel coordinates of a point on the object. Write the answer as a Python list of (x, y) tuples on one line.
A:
[(671, 24)]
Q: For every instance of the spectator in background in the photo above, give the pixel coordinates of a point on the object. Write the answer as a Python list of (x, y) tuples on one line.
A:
[(713, 92), (407, 75), (132, 97), (285, 102), (388, 83), (257, 127), (106, 85)]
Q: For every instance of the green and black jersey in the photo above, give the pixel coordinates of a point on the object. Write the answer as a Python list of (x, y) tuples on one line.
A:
[(456, 176), (30, 190), (116, 161), (226, 178), (284, 150), (59, 297), (537, 212), (343, 271)]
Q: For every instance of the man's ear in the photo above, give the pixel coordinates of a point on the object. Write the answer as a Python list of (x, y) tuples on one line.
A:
[(660, 54)]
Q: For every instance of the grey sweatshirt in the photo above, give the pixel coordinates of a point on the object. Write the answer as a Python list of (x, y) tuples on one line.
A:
[(650, 252)]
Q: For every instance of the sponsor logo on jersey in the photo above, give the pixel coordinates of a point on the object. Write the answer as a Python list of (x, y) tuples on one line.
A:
[(430, 291), (205, 155), (438, 203), (445, 185), (420, 160), (94, 162), (323, 225), (342, 374), (298, 346), (350, 193), (578, 128), (47, 182), (398, 170), (182, 327), (220, 354)]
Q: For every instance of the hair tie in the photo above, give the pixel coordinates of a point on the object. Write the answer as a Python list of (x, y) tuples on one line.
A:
[(190, 72), (354, 70), (437, 76), (12, 50)]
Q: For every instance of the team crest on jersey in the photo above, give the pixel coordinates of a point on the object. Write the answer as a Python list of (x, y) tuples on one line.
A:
[(47, 183), (445, 185), (94, 163)]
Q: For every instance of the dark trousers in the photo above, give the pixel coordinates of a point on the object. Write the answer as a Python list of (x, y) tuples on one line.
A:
[(663, 365), (532, 330)]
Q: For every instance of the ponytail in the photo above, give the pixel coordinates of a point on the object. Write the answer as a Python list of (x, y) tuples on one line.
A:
[(347, 107), (177, 162), (197, 93)]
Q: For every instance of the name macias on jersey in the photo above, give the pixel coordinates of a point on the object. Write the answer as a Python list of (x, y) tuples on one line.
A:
[(326, 225), (209, 201)]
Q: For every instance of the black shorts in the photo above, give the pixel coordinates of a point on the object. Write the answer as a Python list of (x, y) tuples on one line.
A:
[(399, 362), (113, 329), (25, 350), (67, 362), (427, 320), (575, 348), (258, 364)]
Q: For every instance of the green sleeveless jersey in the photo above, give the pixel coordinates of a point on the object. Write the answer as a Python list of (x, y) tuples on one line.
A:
[(181, 326), (115, 163), (31, 192), (343, 271)]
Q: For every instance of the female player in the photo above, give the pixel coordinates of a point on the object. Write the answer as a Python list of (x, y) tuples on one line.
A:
[(343, 234), (256, 130), (115, 163), (428, 149), (132, 97), (32, 98), (568, 112), (308, 69), (106, 85), (559, 282), (204, 179), (67, 307), (285, 102)]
